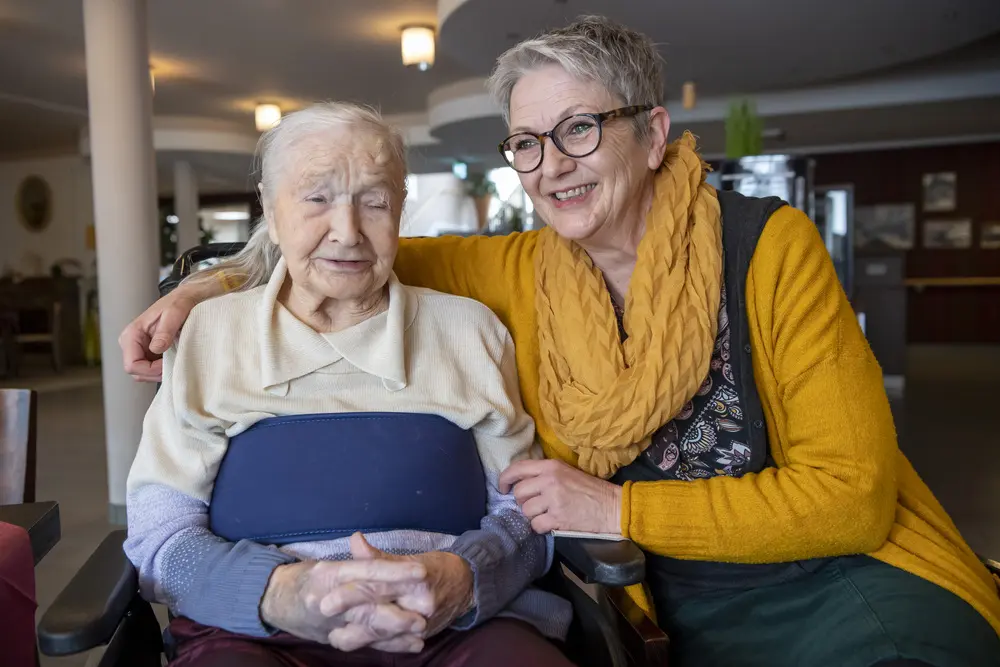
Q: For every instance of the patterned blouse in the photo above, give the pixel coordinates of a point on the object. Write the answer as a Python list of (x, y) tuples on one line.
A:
[(708, 436)]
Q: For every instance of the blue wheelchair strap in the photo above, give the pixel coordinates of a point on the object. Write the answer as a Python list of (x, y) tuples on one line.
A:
[(308, 478)]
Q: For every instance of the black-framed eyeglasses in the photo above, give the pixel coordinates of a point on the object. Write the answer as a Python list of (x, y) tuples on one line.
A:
[(578, 135)]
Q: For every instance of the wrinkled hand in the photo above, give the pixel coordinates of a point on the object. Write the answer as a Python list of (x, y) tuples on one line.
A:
[(441, 596), (556, 496), (151, 334), (293, 602)]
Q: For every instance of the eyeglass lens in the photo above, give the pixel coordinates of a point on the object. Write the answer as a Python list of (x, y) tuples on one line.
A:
[(576, 136)]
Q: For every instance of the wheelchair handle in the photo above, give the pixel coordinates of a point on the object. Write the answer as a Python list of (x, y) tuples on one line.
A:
[(185, 264)]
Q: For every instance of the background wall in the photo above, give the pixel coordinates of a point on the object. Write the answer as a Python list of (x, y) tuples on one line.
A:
[(437, 204), (72, 212), (961, 314)]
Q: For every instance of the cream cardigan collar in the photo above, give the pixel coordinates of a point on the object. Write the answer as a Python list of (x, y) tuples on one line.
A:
[(291, 349)]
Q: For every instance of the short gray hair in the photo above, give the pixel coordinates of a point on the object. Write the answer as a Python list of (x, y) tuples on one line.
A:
[(257, 261), (593, 48)]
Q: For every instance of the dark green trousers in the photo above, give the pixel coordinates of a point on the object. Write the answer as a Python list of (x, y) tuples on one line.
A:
[(847, 612)]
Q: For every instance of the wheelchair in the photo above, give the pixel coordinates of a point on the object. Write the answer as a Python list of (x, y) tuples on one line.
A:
[(101, 605)]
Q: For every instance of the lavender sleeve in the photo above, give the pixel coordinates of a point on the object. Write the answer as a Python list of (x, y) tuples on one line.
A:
[(197, 574), (505, 555)]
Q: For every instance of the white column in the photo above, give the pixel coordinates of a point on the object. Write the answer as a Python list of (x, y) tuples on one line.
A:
[(124, 176), (186, 206)]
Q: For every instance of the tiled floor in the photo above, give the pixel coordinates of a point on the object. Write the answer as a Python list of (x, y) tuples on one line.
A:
[(948, 427), (71, 470), (947, 424)]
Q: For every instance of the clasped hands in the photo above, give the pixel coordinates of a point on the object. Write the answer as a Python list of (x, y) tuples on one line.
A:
[(393, 603), (378, 600)]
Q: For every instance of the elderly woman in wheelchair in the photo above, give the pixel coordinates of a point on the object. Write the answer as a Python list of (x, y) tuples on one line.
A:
[(317, 478)]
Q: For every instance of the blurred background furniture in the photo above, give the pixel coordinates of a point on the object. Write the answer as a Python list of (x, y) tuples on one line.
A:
[(48, 318), (9, 349)]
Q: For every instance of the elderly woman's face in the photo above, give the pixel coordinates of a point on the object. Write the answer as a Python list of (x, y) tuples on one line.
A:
[(335, 215), (588, 197)]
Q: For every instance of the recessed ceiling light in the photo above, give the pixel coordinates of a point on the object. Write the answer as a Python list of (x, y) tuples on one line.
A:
[(266, 116)]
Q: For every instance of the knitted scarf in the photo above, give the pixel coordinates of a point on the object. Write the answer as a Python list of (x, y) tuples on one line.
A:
[(605, 398)]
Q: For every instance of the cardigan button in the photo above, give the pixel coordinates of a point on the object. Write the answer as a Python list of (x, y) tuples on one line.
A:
[(747, 348), (758, 424)]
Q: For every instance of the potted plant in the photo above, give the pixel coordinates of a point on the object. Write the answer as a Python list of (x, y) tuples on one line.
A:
[(516, 221), (743, 130), (482, 190)]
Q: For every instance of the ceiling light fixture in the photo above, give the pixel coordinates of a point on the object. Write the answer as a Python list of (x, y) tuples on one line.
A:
[(418, 47), (266, 116)]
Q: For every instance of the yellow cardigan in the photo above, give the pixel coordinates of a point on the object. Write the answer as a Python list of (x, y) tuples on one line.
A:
[(841, 485)]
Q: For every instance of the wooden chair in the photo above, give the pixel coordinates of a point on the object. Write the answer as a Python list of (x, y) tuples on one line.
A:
[(10, 351), (52, 336), (18, 435)]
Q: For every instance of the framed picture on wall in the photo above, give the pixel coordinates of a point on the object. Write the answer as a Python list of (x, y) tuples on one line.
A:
[(940, 191), (34, 203), (948, 234), (989, 236), (889, 225)]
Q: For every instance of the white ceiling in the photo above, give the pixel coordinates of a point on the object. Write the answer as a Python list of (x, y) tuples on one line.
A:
[(216, 58)]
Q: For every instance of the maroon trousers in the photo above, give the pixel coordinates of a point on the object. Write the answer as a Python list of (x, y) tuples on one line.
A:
[(500, 642)]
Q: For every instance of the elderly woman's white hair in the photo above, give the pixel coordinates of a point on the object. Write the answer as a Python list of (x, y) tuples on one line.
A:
[(275, 156), (593, 48)]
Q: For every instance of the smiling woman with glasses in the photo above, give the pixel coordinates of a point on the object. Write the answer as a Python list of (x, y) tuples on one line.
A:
[(698, 381)]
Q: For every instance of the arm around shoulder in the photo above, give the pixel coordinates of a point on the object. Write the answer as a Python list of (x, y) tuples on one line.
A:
[(156, 329), (489, 269)]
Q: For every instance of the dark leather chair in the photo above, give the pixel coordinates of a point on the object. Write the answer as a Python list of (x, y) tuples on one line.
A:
[(101, 605)]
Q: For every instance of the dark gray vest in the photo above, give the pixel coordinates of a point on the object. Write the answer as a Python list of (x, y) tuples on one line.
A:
[(743, 221)]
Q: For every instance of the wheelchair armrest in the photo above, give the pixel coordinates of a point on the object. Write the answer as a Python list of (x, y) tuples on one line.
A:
[(87, 612), (609, 563)]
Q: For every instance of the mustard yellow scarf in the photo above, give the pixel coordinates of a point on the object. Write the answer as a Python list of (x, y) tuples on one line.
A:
[(604, 399)]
